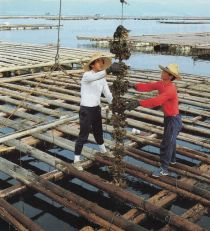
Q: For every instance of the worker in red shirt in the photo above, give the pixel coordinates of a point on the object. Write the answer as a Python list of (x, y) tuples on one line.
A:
[(168, 99)]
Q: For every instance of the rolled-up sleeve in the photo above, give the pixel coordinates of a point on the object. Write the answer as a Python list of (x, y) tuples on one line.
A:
[(91, 76), (156, 101), (145, 87), (107, 93)]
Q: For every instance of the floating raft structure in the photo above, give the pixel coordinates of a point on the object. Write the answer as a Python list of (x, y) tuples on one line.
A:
[(18, 58), (185, 22), (192, 44), (39, 115), (27, 26)]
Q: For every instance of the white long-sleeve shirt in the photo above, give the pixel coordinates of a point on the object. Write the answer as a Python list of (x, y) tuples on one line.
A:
[(93, 84)]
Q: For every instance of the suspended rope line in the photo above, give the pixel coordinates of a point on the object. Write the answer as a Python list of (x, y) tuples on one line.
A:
[(122, 12), (55, 66), (57, 56)]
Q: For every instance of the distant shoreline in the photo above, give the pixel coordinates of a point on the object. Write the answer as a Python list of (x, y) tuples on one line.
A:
[(99, 17)]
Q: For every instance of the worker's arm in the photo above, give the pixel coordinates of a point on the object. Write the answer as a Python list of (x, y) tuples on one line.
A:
[(145, 87), (91, 76), (107, 93), (150, 103), (156, 101)]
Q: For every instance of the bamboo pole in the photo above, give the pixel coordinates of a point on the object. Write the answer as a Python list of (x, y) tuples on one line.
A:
[(33, 107), (139, 218), (192, 214), (182, 150), (175, 186), (161, 213), (54, 175), (40, 91), (59, 194), (158, 130), (73, 85), (47, 158), (69, 131), (90, 177), (23, 96), (132, 113), (38, 128), (59, 89), (194, 121), (20, 113), (179, 184), (163, 198), (184, 137), (20, 217), (37, 75), (64, 144), (153, 119), (178, 168), (5, 215), (197, 129)]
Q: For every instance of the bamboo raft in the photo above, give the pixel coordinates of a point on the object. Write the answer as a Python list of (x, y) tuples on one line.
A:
[(27, 26), (185, 22), (18, 58), (193, 44), (41, 111)]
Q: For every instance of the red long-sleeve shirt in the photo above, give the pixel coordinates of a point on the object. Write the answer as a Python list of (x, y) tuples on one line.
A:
[(167, 97)]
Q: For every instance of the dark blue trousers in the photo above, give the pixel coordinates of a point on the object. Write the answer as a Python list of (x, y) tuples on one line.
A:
[(90, 119), (172, 127)]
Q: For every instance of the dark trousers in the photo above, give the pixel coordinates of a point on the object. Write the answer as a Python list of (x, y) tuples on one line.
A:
[(172, 127), (90, 119)]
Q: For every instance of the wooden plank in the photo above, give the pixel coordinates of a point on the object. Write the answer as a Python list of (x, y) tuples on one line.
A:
[(38, 128), (67, 198), (37, 56), (189, 42), (27, 26)]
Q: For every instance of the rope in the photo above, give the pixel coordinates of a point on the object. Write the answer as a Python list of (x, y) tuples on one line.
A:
[(115, 214), (21, 103), (57, 56), (55, 66), (122, 12)]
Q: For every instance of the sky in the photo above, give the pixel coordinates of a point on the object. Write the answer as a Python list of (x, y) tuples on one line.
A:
[(107, 7)]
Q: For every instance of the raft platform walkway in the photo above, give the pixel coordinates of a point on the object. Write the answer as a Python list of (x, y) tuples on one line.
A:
[(27, 26), (22, 58), (40, 111), (192, 44)]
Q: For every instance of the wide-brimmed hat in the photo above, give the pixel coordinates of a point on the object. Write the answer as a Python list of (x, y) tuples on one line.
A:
[(172, 69), (107, 61)]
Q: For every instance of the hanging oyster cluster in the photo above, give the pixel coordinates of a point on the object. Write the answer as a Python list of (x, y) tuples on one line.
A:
[(120, 47)]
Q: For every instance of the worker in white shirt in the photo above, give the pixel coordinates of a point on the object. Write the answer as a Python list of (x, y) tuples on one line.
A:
[(93, 84)]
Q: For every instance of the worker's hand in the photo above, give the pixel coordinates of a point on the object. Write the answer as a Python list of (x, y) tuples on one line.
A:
[(131, 85), (132, 104), (105, 108), (115, 68)]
